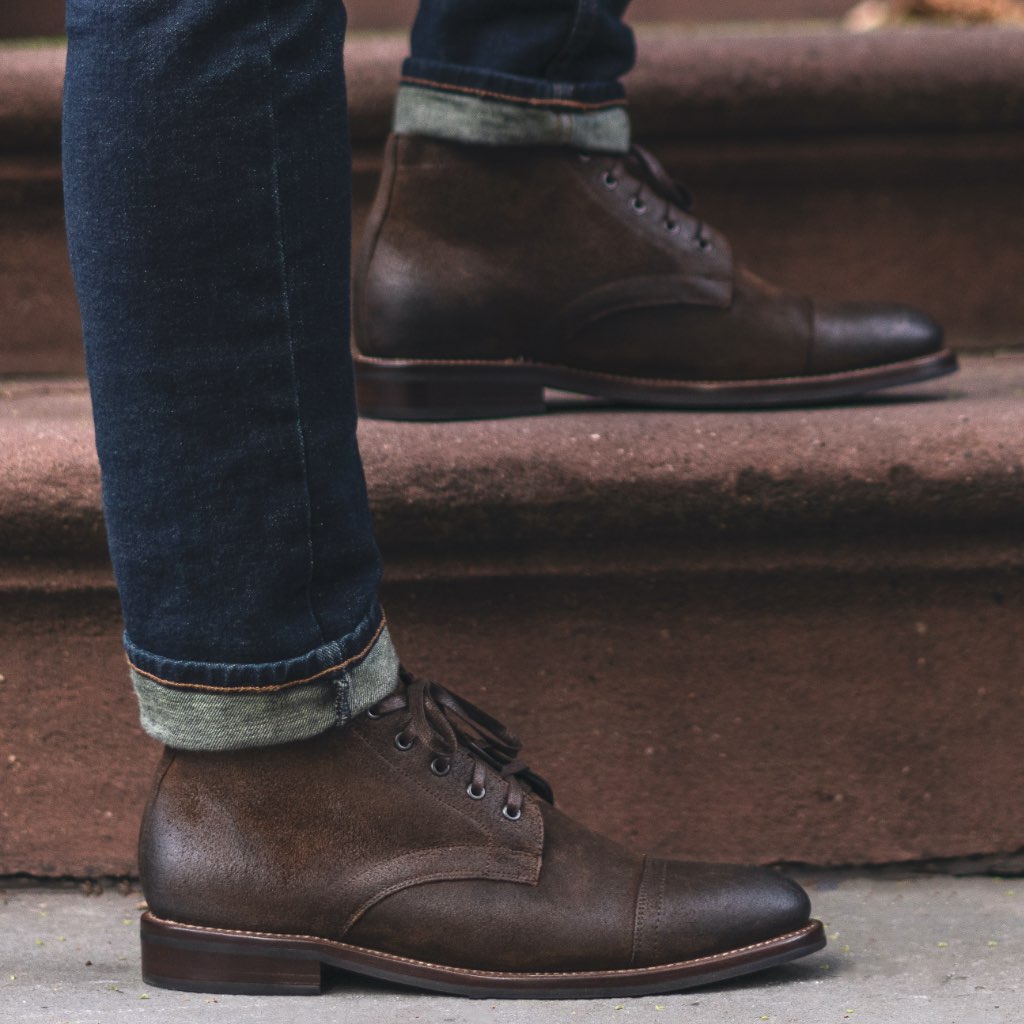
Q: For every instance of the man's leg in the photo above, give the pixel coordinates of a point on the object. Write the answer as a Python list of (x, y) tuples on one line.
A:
[(316, 804), (519, 242), (207, 181), (519, 72)]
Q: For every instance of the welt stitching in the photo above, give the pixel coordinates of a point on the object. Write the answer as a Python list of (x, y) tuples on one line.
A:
[(526, 101), (271, 688), (867, 371), (713, 958)]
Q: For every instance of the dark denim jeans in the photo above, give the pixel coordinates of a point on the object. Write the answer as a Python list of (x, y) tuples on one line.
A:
[(518, 72), (207, 178), (553, 51)]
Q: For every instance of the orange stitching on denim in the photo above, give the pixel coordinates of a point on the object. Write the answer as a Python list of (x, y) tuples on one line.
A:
[(486, 94), (274, 688)]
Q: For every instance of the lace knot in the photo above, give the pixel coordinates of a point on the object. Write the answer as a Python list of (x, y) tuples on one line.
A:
[(445, 723)]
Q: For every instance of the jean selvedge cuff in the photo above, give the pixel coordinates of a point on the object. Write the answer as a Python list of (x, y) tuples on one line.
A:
[(503, 85), (263, 705), (460, 117)]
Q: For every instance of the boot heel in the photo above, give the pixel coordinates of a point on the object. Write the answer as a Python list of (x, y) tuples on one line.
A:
[(407, 390), (197, 960)]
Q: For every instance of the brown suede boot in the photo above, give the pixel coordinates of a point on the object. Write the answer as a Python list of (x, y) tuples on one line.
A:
[(411, 846), (489, 274)]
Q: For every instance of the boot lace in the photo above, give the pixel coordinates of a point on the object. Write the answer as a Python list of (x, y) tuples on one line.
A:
[(654, 186), (444, 723)]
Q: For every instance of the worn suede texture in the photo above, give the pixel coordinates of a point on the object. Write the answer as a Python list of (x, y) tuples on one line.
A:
[(348, 837), (552, 256)]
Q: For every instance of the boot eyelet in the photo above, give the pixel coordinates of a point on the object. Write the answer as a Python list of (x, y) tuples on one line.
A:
[(609, 181), (672, 227), (703, 244), (403, 742), (440, 767), (373, 716), (476, 794), (639, 206), (509, 815)]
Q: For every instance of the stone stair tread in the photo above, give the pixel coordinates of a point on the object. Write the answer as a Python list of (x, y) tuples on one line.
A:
[(914, 467)]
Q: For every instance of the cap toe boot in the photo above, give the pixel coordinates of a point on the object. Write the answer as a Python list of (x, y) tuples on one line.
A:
[(488, 274), (411, 845)]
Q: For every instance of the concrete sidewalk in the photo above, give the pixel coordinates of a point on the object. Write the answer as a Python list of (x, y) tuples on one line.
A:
[(915, 949)]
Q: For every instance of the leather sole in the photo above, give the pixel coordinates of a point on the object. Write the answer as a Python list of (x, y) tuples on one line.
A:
[(419, 389), (197, 959)]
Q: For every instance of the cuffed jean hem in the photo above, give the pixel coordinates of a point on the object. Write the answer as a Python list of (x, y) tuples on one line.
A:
[(500, 85), (461, 117), (354, 674)]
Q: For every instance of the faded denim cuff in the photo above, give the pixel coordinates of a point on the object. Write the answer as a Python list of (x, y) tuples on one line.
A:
[(206, 706), (461, 117)]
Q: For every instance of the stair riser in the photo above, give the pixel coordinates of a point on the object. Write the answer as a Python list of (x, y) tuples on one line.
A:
[(823, 717)]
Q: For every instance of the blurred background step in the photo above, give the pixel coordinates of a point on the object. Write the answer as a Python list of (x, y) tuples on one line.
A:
[(46, 17), (782, 636), (854, 166)]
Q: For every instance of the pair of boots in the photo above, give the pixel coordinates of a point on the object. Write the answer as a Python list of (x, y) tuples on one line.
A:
[(412, 844)]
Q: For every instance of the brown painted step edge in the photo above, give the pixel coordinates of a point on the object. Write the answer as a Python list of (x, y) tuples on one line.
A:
[(197, 959), (426, 389)]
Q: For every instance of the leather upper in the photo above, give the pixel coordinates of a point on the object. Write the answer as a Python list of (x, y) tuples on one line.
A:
[(595, 263), (349, 837)]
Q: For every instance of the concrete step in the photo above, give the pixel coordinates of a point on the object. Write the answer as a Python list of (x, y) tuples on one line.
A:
[(904, 949), (879, 166), (781, 636)]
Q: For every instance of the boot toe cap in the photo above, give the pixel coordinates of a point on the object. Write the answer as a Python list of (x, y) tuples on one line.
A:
[(852, 336), (687, 911)]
